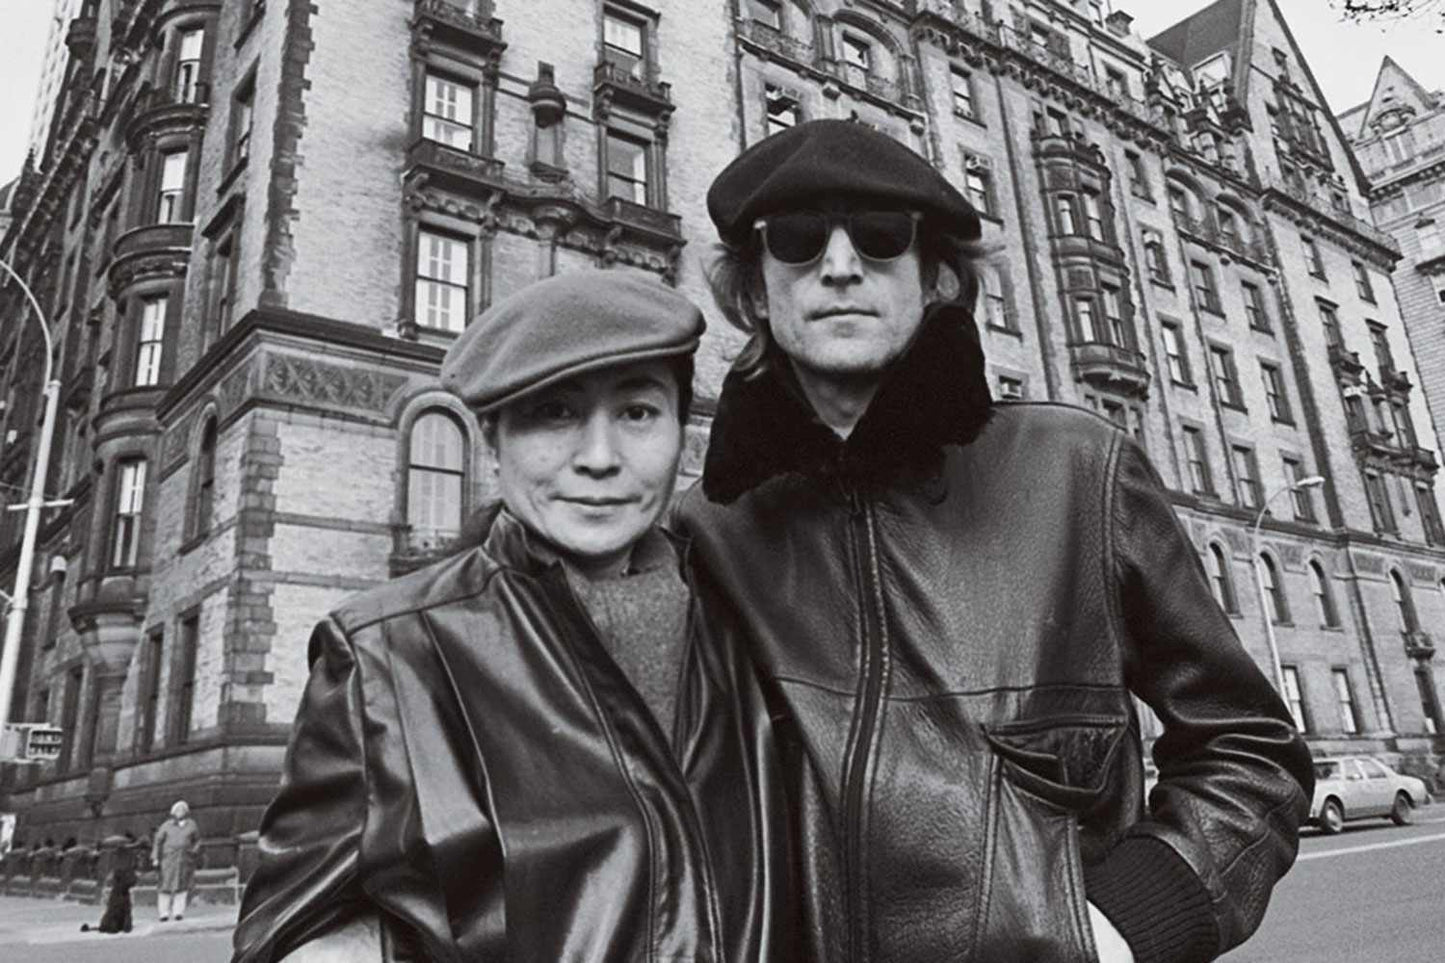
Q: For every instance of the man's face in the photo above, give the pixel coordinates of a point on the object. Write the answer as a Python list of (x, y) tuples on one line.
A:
[(844, 316)]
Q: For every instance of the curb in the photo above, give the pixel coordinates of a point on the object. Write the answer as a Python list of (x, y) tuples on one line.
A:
[(69, 933)]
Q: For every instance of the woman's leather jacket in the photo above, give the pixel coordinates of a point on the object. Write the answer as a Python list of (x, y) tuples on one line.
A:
[(471, 765), (953, 612)]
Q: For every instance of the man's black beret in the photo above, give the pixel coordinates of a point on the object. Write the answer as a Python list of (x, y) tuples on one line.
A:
[(563, 326), (828, 158)]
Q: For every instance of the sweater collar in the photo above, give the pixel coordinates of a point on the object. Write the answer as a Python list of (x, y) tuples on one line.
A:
[(935, 395)]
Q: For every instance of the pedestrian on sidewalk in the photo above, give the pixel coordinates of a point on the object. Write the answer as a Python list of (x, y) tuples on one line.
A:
[(177, 843)]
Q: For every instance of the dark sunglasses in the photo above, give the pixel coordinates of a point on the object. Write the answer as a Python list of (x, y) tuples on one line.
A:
[(800, 237)]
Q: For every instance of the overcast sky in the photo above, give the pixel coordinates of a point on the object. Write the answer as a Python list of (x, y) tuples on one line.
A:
[(1344, 57)]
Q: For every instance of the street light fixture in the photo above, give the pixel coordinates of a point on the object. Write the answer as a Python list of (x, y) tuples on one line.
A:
[(1311, 481), (20, 599)]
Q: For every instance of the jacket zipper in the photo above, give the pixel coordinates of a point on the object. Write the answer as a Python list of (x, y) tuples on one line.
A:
[(864, 545), (688, 805)]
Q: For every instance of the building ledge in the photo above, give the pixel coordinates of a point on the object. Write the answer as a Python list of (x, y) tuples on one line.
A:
[(1111, 367)]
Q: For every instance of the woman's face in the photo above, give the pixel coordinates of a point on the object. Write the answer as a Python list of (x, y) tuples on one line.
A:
[(589, 463)]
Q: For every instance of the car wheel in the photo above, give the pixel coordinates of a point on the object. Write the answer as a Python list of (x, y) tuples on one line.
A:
[(1403, 812), (1332, 817)]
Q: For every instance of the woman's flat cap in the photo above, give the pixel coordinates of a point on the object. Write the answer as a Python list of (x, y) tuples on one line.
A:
[(832, 158), (564, 326)]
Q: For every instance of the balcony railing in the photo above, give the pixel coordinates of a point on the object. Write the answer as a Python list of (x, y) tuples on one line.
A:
[(1325, 207), (1370, 440), (170, 107), (625, 85), (1345, 361), (1207, 231), (1395, 380), (648, 219), (777, 42), (460, 20), (1112, 366), (1425, 458), (152, 238), (1418, 644), (452, 163)]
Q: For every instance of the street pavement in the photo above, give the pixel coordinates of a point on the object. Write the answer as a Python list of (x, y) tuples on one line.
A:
[(1375, 892)]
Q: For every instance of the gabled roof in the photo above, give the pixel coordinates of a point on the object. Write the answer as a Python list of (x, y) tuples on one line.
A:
[(1394, 89), (1207, 32)]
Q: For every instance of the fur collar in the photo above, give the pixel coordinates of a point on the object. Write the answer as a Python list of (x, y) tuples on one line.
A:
[(936, 395)]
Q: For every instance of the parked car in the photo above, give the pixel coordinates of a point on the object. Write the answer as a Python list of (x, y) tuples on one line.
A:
[(1361, 787)]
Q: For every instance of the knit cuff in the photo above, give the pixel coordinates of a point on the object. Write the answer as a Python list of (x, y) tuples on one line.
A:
[(1155, 901)]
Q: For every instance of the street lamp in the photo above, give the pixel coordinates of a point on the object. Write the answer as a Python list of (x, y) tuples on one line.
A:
[(20, 600), (1311, 481)]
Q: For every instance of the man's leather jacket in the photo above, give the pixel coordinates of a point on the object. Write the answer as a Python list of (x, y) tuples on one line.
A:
[(470, 764), (950, 611)]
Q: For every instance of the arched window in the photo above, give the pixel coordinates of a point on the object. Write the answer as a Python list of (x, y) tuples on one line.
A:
[(1219, 578), (203, 497), (436, 473), (1404, 604), (1273, 589), (1324, 598)]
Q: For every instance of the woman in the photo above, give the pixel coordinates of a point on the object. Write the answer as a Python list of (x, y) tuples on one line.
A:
[(174, 851), (532, 751)]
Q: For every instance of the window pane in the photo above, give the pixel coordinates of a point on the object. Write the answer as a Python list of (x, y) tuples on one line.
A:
[(436, 442), (626, 168), (623, 34), (441, 283)]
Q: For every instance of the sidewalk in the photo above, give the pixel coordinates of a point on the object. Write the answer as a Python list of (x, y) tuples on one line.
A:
[(33, 921)]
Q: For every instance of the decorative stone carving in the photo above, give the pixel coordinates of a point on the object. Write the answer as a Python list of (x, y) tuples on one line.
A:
[(307, 380)]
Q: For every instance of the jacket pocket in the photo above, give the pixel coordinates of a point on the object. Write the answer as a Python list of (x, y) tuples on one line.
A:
[(1066, 760), (1033, 905)]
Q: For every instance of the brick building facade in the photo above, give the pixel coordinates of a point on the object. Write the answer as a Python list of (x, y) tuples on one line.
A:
[(259, 223)]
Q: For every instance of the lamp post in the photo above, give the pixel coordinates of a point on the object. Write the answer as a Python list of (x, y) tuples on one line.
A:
[(1311, 481), (19, 602)]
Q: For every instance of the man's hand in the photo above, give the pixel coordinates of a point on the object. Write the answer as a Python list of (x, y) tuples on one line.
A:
[(1107, 940)]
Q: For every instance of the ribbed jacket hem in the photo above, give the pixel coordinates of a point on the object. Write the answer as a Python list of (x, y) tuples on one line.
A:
[(1155, 901)]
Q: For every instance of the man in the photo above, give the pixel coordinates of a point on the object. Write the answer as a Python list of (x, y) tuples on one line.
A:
[(951, 603)]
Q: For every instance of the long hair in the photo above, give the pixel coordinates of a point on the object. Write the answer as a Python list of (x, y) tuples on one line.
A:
[(948, 265)]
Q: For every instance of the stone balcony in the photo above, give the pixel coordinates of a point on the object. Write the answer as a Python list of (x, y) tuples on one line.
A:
[(149, 251), (645, 219), (1345, 362), (454, 168), (777, 43), (1207, 232), (467, 24), (168, 110), (1111, 367), (1049, 145), (616, 84), (1419, 644)]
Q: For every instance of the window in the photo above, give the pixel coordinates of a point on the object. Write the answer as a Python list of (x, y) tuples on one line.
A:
[(1155, 259), (1381, 343), (1294, 697), (1345, 701), (70, 717), (1093, 215), (203, 501), (1199, 480), (435, 476), (1010, 388), (1274, 392), (1116, 83), (1404, 426), (170, 206), (1119, 333), (1362, 281), (1330, 320), (1084, 315), (150, 694), (1431, 241), (188, 88), (1138, 175), (1174, 356), (243, 103), (448, 112), (150, 341), (1064, 211), (223, 269), (1179, 204), (1226, 378), (130, 502), (626, 167), (782, 108), (1378, 494), (623, 43), (1205, 292), (183, 684), (1304, 504), (857, 52), (1405, 617), (1312, 256), (1228, 223), (442, 274), (1246, 470), (1273, 590), (1254, 307), (962, 93), (769, 12), (978, 182), (1324, 598), (996, 313), (1218, 565), (1429, 514)]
